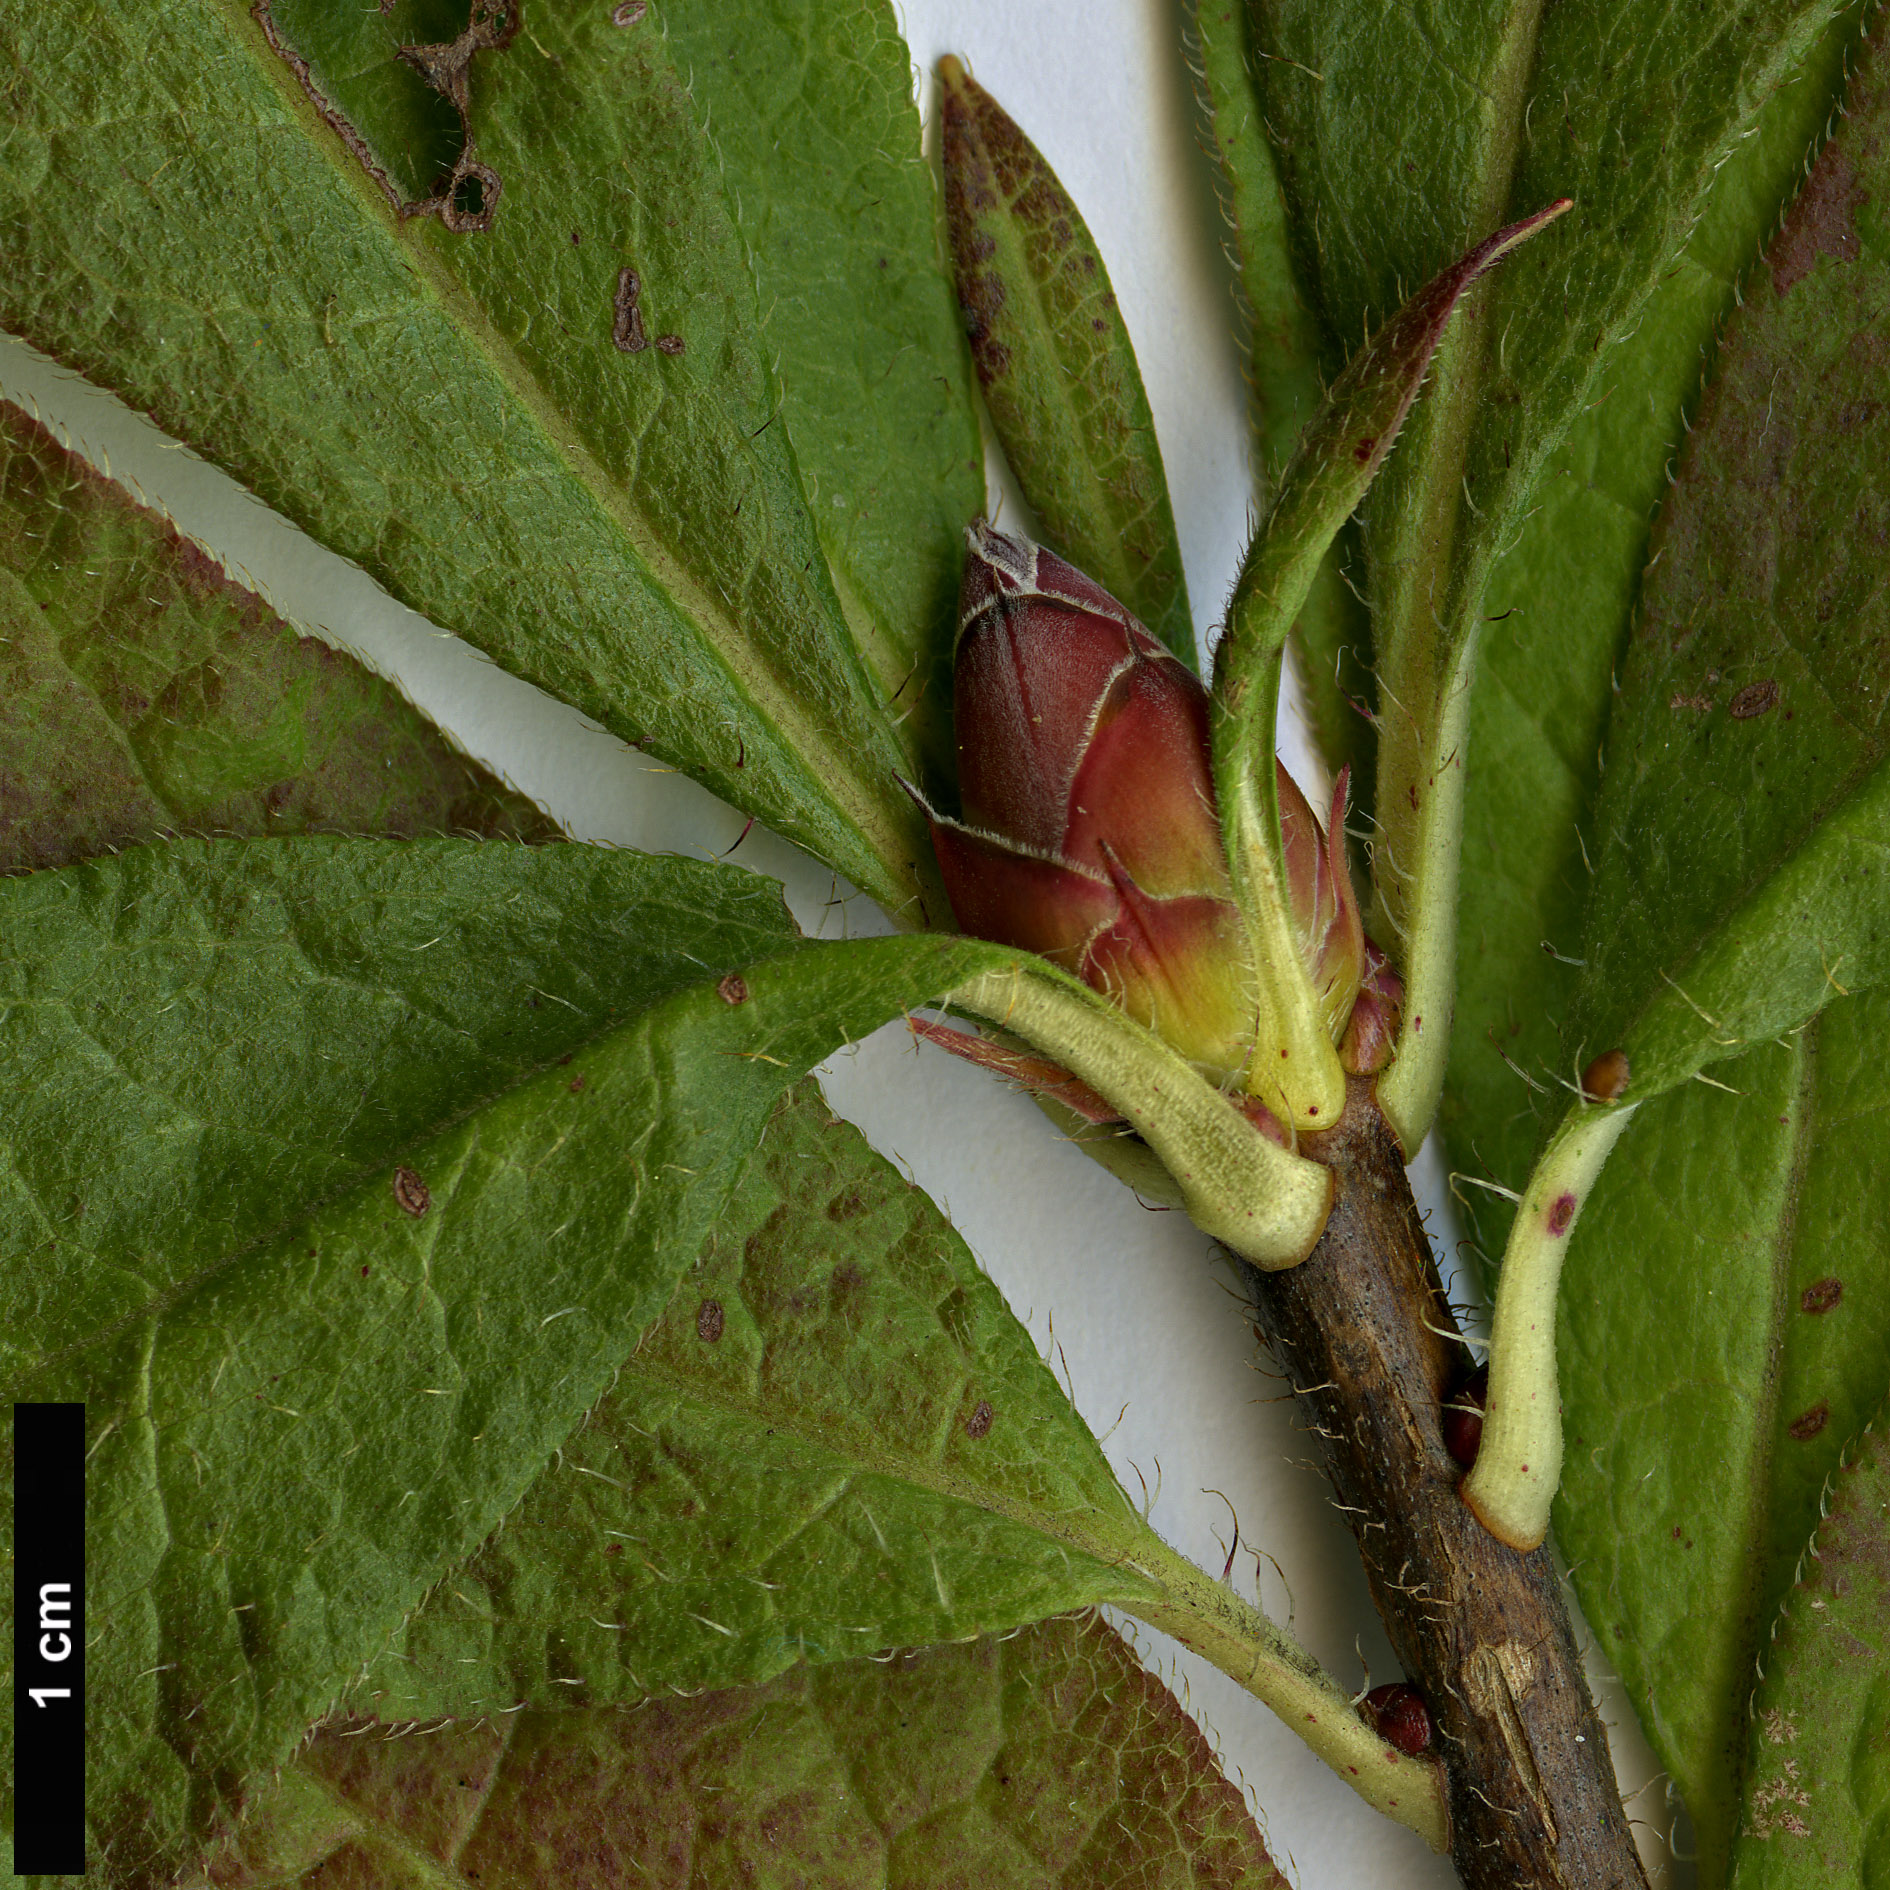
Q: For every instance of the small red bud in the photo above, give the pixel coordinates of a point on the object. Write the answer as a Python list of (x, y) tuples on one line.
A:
[(1401, 1718), (1372, 1033), (1607, 1077), (1463, 1417)]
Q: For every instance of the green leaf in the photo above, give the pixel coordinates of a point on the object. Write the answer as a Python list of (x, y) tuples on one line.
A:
[(1559, 610), (836, 1440), (1817, 1802), (812, 109), (466, 412), (313, 1399), (1042, 1758), (141, 690), (200, 1040), (1056, 364), (1724, 1306), (1738, 876), (1402, 139)]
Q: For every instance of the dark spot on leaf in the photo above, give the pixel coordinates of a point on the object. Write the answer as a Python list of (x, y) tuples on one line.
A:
[(1561, 1213), (1808, 1424), (1821, 1295), (577, 1083), (1607, 1077), (613, 1548), (1363, 451), (576, 239), (364, 1273), (411, 1193), (1821, 222), (628, 12), (566, 1058), (979, 1423), (1754, 699), (627, 330), (709, 1321), (670, 344), (733, 989), (848, 1206)]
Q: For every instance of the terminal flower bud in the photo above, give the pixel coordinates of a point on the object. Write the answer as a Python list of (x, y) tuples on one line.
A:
[(1089, 831)]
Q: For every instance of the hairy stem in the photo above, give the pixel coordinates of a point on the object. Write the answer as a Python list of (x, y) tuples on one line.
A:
[(1366, 1336)]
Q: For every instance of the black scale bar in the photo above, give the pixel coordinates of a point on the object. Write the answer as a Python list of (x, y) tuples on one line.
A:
[(49, 1639)]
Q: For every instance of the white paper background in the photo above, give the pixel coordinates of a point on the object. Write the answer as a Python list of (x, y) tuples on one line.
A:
[(1137, 1319)]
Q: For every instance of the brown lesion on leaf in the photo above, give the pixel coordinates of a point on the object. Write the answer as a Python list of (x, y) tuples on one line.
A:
[(471, 195), (1754, 699), (1821, 1295), (411, 1193), (627, 332), (468, 197)]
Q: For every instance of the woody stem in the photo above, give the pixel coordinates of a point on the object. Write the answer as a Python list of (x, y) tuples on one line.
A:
[(1369, 1343)]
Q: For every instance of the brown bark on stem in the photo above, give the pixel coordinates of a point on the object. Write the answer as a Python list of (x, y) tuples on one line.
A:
[(1365, 1335)]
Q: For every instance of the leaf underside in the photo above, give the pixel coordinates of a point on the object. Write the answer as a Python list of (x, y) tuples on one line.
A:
[(1745, 785), (1045, 1758), (1723, 1313), (1690, 1272), (835, 1441), (1056, 364), (1729, 1286), (1332, 636), (1560, 609), (1401, 139)]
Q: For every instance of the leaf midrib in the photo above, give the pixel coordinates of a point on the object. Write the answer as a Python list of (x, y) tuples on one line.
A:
[(930, 1478), (1755, 1533), (834, 777)]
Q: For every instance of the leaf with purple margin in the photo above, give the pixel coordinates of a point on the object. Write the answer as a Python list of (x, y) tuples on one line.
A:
[(1037, 1759)]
